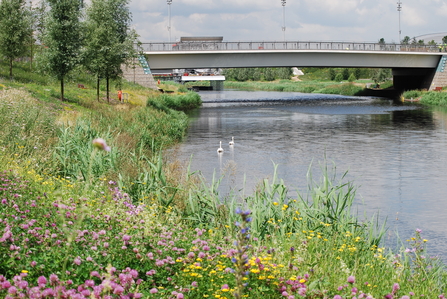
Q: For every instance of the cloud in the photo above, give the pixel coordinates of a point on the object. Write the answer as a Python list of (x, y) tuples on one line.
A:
[(257, 20)]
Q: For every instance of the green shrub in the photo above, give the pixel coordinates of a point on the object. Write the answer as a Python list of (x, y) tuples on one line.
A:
[(338, 77), (182, 102), (434, 98), (412, 94)]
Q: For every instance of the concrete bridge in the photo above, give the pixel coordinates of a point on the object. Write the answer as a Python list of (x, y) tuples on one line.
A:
[(413, 66)]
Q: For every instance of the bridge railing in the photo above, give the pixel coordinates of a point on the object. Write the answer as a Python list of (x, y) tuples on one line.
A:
[(289, 45)]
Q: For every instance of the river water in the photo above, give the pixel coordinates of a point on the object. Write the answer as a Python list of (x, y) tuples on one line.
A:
[(395, 153)]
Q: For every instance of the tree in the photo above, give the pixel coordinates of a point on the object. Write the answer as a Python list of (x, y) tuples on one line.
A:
[(257, 75), (242, 74), (63, 38), (332, 74), (15, 29), (284, 73), (357, 73), (338, 77), (406, 40), (269, 74), (351, 78), (109, 42), (381, 75), (432, 43), (345, 73), (444, 40)]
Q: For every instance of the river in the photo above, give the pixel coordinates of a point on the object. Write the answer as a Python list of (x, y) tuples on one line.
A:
[(395, 153)]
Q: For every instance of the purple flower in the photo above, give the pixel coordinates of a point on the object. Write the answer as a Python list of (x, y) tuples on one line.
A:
[(153, 291), (77, 261), (101, 144), (118, 290), (337, 297), (180, 296), (351, 279), (42, 280), (6, 285), (396, 287), (12, 290), (194, 284), (405, 297), (126, 238)]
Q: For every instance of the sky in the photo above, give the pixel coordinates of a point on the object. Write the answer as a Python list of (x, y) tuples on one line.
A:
[(305, 20)]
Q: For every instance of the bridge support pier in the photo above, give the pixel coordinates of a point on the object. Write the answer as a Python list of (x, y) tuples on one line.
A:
[(412, 78), (217, 85)]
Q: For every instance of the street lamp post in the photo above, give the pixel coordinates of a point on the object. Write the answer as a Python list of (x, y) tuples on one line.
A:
[(399, 8), (283, 3), (169, 18)]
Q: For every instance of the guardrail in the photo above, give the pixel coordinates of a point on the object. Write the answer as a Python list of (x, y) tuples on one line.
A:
[(241, 46)]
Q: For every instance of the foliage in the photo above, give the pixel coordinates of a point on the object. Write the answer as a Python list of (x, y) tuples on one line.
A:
[(434, 98), (338, 77), (351, 78), (381, 75), (412, 94), (15, 29), (109, 42), (63, 39), (406, 40), (182, 102)]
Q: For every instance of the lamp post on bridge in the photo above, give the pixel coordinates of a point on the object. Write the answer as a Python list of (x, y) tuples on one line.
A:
[(169, 18), (399, 8), (283, 3)]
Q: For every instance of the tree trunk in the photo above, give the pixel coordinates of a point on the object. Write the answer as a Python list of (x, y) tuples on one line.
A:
[(62, 89), (31, 60), (10, 68), (107, 88), (97, 88)]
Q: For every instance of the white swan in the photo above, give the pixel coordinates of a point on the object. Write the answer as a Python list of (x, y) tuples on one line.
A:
[(220, 149), (232, 141)]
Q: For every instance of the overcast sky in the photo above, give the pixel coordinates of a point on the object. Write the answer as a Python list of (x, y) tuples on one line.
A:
[(315, 20)]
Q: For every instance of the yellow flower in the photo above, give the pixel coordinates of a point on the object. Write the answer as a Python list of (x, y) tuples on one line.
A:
[(24, 271), (275, 203), (302, 280)]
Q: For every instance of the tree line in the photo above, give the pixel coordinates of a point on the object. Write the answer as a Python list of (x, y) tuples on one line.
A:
[(68, 34), (333, 74)]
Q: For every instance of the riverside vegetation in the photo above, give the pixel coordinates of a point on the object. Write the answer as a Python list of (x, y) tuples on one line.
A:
[(90, 208)]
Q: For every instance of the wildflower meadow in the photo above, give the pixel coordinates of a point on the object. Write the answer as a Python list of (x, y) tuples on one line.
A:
[(90, 207)]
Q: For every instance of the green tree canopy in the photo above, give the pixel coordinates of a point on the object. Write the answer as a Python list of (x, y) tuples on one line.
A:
[(406, 40), (62, 38), (15, 29), (109, 41)]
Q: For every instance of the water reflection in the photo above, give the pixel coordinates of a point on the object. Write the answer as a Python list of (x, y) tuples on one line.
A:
[(396, 154)]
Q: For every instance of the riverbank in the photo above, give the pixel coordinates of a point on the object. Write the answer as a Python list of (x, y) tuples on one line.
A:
[(430, 98), (314, 86), (109, 217)]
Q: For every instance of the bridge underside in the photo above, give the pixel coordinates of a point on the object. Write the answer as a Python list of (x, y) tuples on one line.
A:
[(412, 78), (411, 70)]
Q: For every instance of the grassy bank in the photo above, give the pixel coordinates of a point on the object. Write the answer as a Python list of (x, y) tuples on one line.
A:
[(431, 98), (305, 86), (80, 219)]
